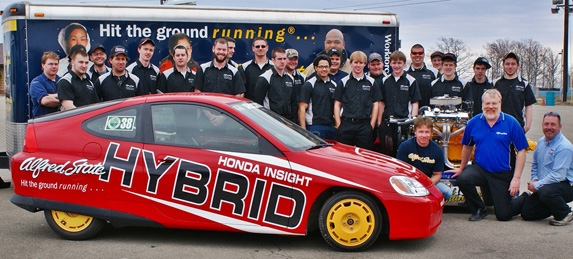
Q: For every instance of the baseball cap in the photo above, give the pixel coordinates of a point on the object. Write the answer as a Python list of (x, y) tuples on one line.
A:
[(291, 53), (511, 55), (450, 56), (436, 54), (95, 47), (145, 41), (116, 50), (482, 60), (333, 51), (374, 56), (77, 48)]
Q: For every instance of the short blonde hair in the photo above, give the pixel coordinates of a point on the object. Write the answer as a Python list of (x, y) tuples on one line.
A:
[(358, 56)]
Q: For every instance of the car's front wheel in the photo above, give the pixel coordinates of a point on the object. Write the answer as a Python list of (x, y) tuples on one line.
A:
[(73, 226), (350, 221)]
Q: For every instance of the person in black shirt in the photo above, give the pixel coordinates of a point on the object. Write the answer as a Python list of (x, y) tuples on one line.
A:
[(474, 90), (297, 76), (98, 57), (449, 83), (316, 101), (75, 89), (436, 58), (518, 97), (400, 97), (252, 69), (275, 88), (148, 73), (356, 105), (424, 75), (118, 83), (179, 78), (231, 43), (218, 76)]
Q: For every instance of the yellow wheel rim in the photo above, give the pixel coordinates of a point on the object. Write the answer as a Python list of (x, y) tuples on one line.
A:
[(71, 222), (350, 222)]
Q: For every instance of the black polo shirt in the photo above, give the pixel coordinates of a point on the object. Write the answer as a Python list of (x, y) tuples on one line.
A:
[(276, 92), (473, 92), (453, 87), (356, 96), (250, 72), (318, 94), (173, 81), (397, 94), (148, 76), (79, 90), (111, 87), (226, 80), (516, 94), (424, 76), (93, 74)]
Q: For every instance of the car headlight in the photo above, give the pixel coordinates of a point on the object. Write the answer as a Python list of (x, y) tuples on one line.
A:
[(408, 186)]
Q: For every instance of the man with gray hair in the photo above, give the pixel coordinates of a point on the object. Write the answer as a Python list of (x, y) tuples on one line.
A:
[(492, 132)]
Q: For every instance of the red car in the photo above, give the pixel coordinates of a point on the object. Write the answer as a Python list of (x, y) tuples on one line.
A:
[(214, 162)]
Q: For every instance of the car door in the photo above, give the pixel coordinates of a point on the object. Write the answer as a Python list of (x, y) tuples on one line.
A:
[(206, 165)]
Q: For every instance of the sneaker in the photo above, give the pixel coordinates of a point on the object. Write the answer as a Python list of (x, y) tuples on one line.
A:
[(562, 222), (479, 215)]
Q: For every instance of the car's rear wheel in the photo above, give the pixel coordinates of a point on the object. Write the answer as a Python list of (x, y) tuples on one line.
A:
[(350, 221), (73, 226)]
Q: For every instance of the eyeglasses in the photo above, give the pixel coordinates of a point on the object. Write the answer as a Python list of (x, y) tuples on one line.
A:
[(417, 53), (323, 67), (552, 114), (260, 46)]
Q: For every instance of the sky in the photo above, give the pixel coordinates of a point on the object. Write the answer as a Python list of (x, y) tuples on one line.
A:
[(475, 22)]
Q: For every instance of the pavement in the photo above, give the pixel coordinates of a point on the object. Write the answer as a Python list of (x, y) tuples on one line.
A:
[(26, 235)]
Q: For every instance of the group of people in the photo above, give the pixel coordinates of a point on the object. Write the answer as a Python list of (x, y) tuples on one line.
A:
[(339, 100)]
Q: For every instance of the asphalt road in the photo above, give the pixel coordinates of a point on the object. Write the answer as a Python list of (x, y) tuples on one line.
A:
[(26, 235)]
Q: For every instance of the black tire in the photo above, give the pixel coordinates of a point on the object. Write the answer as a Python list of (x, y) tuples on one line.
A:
[(350, 221), (73, 226)]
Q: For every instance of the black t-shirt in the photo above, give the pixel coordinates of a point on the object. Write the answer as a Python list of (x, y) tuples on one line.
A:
[(516, 94), (427, 159), (148, 76), (226, 80), (250, 72), (356, 96), (397, 94), (111, 87), (318, 94), (453, 87), (424, 76), (173, 81), (79, 90), (276, 92), (473, 92)]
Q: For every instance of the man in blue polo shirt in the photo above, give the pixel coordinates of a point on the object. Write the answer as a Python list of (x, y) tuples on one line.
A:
[(43, 91), (492, 132)]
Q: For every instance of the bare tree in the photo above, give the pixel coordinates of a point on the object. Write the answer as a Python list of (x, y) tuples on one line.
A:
[(551, 69), (462, 52), (495, 52)]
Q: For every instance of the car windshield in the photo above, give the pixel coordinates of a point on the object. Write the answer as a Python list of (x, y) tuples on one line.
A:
[(287, 132)]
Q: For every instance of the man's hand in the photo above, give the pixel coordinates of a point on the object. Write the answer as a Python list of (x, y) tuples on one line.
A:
[(514, 186), (531, 187), (456, 172)]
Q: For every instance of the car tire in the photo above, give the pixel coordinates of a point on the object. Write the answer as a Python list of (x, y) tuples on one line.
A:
[(350, 221), (73, 226)]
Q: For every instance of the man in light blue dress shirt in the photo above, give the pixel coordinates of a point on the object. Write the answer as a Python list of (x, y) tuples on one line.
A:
[(551, 176)]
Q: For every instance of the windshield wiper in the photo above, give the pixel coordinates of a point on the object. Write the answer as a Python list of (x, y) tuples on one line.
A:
[(321, 145)]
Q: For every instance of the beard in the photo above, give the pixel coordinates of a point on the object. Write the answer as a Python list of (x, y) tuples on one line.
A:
[(218, 59)]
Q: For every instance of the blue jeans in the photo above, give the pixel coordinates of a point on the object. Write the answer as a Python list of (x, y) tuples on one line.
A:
[(323, 131), (445, 190)]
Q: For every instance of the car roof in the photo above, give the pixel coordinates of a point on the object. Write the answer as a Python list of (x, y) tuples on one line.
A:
[(208, 98)]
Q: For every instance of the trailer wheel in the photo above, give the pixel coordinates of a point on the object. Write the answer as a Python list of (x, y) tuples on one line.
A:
[(73, 226), (350, 221)]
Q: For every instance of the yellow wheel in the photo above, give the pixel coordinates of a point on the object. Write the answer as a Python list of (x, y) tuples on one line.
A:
[(350, 221), (73, 226)]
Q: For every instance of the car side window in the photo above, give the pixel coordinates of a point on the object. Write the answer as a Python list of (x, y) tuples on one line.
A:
[(123, 124), (201, 127)]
